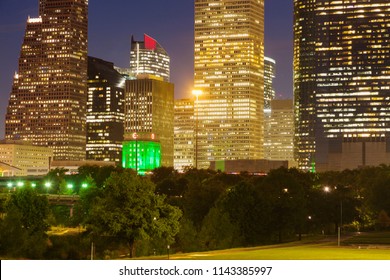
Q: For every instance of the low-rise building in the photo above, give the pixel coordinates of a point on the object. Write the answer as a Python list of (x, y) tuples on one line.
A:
[(24, 158)]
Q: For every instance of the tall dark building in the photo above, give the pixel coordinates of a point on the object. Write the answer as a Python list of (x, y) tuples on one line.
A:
[(342, 83), (105, 111), (48, 100)]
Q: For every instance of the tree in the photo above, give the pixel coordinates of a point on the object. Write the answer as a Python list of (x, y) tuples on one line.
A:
[(200, 198), (218, 232), (287, 190), (23, 230), (56, 177), (383, 220), (128, 209), (99, 174), (249, 211), (162, 173)]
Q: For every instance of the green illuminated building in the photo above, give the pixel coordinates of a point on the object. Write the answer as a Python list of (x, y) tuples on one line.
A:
[(149, 107), (141, 155)]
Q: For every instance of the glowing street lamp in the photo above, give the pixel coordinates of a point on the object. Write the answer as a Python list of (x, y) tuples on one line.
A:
[(197, 93), (69, 186), (10, 185), (84, 185), (327, 190)]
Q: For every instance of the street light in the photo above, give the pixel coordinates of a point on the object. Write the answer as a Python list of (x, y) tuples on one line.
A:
[(196, 92), (327, 190)]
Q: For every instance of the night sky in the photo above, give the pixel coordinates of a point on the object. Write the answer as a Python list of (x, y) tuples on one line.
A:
[(170, 22)]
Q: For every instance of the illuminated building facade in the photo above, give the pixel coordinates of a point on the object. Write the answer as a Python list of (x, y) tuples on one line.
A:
[(269, 76), (149, 109), (149, 57), (342, 83), (229, 69), (105, 111), (141, 155), (47, 105), (29, 160), (184, 134), (279, 131)]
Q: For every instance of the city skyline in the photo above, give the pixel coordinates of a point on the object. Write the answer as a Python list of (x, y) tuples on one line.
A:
[(109, 39)]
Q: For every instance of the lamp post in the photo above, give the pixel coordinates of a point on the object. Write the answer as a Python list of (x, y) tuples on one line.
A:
[(196, 92), (327, 190)]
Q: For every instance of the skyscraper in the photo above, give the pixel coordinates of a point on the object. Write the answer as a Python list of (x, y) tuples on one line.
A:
[(149, 57), (269, 75), (342, 83), (48, 100), (149, 107), (229, 69), (279, 131), (184, 129), (105, 111)]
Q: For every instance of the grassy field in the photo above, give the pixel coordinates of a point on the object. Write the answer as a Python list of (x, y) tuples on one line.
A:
[(325, 249), (291, 253)]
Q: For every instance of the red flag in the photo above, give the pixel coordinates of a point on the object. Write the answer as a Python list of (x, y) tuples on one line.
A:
[(150, 43)]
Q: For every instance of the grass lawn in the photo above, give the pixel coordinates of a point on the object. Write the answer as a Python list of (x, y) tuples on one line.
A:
[(304, 250), (290, 253)]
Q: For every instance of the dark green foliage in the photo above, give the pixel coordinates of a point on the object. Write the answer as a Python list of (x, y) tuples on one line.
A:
[(187, 239), (219, 210), (200, 198), (23, 229), (219, 232), (68, 247), (98, 174), (127, 208)]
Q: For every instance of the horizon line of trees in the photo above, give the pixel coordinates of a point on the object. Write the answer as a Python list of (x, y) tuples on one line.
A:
[(192, 211)]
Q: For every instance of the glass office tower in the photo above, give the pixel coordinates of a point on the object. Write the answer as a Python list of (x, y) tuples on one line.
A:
[(229, 70), (149, 57), (342, 83), (105, 111)]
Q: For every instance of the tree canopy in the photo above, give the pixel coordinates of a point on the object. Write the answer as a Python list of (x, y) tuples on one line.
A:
[(128, 208), (23, 230)]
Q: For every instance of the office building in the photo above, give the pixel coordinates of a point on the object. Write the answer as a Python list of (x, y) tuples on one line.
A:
[(342, 83), (149, 57), (125, 72), (149, 107), (21, 158), (184, 134), (269, 76), (105, 111), (47, 104), (229, 70), (279, 131)]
